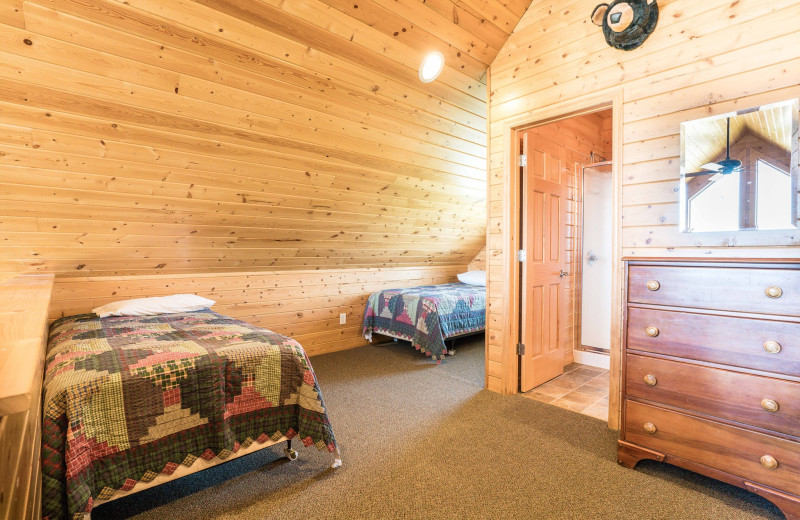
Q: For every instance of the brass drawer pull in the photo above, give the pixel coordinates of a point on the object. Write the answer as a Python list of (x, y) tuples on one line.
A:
[(770, 405), (650, 428), (652, 331), (650, 380), (773, 291), (653, 285), (769, 462), (773, 347)]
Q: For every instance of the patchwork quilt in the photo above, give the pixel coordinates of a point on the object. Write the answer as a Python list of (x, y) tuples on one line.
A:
[(427, 315), (128, 398)]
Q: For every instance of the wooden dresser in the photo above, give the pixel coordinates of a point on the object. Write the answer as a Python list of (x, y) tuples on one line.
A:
[(711, 372)]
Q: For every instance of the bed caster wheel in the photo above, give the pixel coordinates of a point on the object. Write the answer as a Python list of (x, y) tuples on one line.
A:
[(451, 352), (290, 454)]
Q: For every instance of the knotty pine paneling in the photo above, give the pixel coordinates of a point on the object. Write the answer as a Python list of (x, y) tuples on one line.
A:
[(205, 136), (479, 262), (704, 58), (302, 304)]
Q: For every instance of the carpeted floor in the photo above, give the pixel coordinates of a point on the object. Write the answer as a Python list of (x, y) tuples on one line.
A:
[(426, 441)]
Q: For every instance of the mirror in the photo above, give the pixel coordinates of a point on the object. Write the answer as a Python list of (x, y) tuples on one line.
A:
[(740, 170)]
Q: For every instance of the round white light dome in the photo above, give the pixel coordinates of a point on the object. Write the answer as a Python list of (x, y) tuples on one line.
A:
[(431, 67)]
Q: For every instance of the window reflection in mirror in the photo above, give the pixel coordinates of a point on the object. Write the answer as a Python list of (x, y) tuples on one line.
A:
[(740, 170)]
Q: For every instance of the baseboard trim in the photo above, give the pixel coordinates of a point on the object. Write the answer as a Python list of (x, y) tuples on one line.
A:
[(592, 359)]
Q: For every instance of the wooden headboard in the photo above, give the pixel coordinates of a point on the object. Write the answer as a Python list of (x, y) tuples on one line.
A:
[(24, 308)]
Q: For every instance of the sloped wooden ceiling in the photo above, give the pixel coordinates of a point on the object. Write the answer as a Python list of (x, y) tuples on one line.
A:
[(218, 135)]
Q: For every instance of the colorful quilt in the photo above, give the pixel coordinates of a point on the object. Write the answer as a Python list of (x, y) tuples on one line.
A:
[(127, 398), (427, 315)]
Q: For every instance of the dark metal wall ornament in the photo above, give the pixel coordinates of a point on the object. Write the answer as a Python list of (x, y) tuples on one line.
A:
[(626, 23)]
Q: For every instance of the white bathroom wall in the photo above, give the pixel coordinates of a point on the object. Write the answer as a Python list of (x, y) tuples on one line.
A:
[(595, 330)]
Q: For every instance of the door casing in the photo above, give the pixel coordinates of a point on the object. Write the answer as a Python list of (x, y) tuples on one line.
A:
[(611, 98)]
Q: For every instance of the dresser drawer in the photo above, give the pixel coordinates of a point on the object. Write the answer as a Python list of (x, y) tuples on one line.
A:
[(722, 288), (720, 393), (734, 450), (768, 345)]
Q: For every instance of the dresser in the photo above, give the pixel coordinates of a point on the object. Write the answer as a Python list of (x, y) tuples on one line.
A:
[(711, 372)]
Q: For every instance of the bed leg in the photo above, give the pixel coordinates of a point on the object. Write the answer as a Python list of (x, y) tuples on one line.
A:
[(289, 452), (337, 459)]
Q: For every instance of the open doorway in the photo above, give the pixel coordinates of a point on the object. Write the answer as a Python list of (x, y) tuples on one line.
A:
[(595, 227), (566, 261)]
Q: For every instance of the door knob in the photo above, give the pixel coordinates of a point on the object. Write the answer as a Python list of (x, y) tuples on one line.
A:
[(562, 273)]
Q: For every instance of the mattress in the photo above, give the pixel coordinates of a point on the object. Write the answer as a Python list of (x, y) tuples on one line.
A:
[(127, 399), (427, 315)]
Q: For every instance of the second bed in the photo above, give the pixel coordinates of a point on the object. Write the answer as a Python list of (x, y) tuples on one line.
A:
[(427, 315)]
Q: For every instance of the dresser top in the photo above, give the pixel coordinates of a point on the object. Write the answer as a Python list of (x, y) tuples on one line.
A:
[(791, 263)]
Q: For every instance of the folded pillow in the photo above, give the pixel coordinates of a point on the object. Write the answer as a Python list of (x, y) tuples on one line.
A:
[(154, 306), (473, 277)]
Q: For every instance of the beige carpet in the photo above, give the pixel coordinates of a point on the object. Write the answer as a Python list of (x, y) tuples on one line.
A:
[(426, 441)]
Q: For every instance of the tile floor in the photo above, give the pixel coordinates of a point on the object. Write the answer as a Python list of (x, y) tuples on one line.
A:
[(581, 388)]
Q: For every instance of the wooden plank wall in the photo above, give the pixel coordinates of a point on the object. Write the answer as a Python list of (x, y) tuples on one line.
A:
[(302, 304), (141, 137), (479, 262), (704, 58)]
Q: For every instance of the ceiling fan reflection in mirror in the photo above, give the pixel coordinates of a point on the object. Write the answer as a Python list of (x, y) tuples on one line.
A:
[(723, 167)]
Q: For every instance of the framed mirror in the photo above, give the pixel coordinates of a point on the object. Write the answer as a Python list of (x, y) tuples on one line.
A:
[(739, 171)]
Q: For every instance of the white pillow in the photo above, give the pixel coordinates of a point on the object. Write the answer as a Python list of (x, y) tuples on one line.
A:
[(473, 277), (154, 306)]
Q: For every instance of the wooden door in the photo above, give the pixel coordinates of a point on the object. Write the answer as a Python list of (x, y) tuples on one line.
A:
[(543, 228)]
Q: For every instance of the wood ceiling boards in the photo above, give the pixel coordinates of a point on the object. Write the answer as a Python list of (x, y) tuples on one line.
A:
[(144, 137)]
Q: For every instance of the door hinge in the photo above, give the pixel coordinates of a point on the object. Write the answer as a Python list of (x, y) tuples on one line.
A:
[(523, 160), (520, 349), (522, 255)]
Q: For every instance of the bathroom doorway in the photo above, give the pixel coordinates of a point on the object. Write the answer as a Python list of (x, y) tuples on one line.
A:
[(566, 226)]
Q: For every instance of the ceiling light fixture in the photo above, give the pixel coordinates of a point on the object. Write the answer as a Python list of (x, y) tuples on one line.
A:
[(431, 67)]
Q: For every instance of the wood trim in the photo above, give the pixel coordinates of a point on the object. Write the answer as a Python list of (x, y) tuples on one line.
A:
[(618, 274), (24, 306), (23, 322), (511, 272), (486, 255), (680, 261)]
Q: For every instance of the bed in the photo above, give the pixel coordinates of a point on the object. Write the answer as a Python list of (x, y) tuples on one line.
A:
[(131, 402), (427, 315)]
